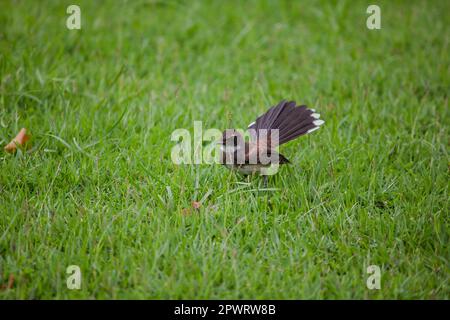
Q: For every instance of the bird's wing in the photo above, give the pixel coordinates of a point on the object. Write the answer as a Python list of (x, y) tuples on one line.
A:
[(261, 154)]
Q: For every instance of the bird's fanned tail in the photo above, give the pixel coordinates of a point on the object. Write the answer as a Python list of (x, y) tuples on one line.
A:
[(292, 121)]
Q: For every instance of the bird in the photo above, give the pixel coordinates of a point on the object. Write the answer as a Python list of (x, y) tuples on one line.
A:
[(280, 124)]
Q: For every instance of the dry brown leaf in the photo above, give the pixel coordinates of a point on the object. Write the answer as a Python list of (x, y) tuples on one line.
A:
[(10, 283), (196, 205), (19, 140)]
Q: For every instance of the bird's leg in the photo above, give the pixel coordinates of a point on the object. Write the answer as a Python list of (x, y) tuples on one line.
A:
[(268, 195), (265, 178)]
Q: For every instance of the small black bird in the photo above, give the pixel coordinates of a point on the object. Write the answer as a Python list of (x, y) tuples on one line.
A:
[(280, 124)]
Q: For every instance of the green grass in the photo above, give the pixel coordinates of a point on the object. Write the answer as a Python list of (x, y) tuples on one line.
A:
[(98, 188)]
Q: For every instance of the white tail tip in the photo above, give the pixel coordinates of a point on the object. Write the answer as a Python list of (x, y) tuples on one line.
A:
[(313, 129), (318, 122)]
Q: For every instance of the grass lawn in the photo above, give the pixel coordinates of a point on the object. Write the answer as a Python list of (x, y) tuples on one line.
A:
[(98, 188)]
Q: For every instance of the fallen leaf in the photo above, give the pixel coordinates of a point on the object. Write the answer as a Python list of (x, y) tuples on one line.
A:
[(10, 283), (19, 140), (196, 205)]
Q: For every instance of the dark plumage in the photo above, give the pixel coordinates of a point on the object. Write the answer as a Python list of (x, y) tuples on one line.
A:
[(290, 120)]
